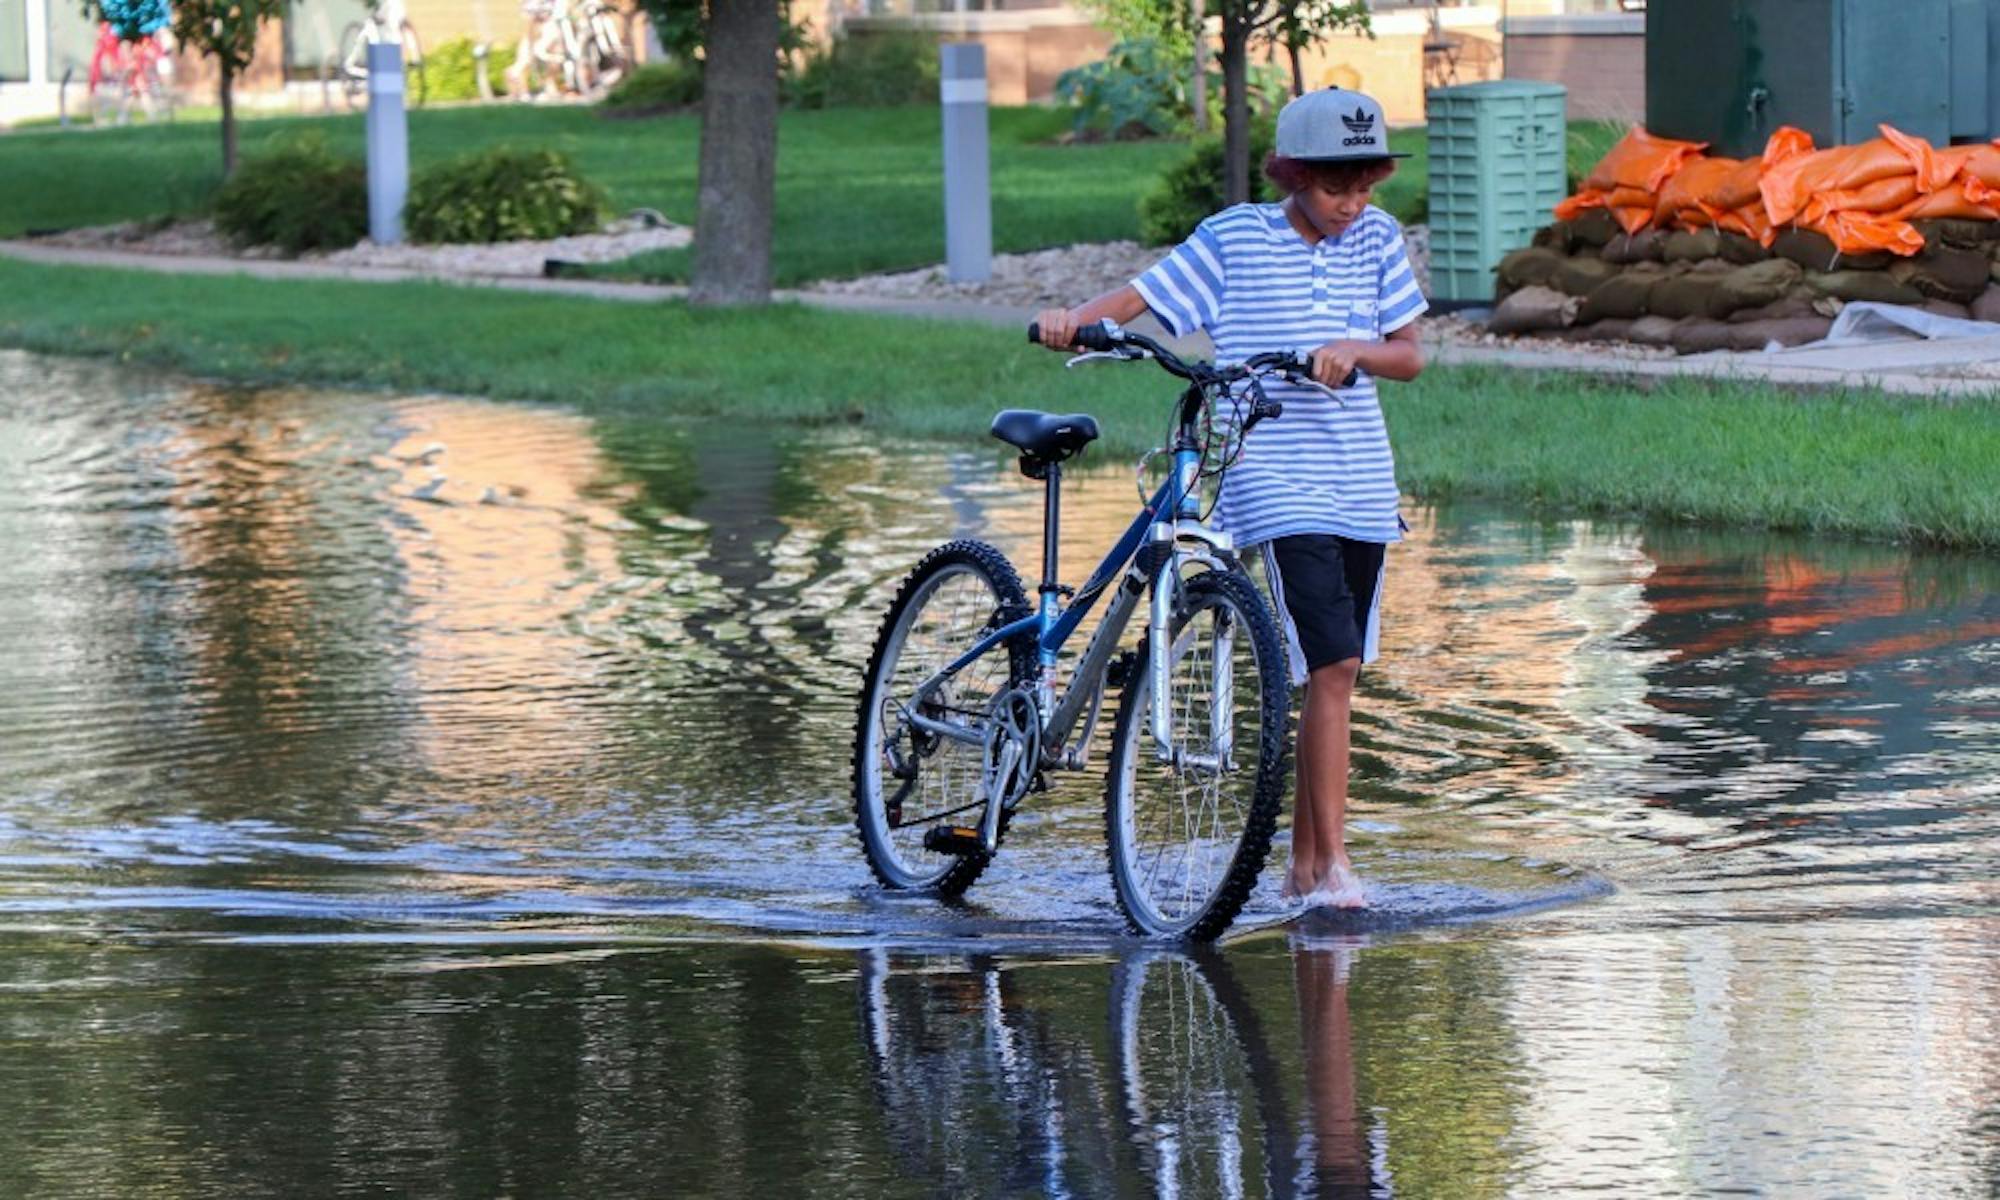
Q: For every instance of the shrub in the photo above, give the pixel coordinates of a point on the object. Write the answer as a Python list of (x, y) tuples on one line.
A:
[(1192, 188), (656, 88), (452, 73), (499, 195), (1135, 90), (298, 195), (872, 69)]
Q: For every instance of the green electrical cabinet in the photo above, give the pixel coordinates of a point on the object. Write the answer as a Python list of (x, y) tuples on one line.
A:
[(1497, 166)]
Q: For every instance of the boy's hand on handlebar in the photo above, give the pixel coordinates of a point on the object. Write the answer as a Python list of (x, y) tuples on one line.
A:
[(1334, 364), (1057, 328)]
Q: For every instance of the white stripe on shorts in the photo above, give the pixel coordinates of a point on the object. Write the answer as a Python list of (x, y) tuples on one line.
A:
[(1295, 657)]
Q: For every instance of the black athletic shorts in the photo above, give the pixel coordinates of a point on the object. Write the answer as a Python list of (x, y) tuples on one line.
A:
[(1328, 589)]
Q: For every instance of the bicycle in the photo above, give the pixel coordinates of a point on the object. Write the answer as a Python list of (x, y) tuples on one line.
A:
[(385, 23), (578, 43), (131, 72), (959, 710)]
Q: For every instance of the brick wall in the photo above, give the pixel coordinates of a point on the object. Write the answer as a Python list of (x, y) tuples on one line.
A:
[(1603, 64)]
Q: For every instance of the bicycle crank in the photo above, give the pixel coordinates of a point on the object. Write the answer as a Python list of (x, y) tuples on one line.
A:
[(1013, 756)]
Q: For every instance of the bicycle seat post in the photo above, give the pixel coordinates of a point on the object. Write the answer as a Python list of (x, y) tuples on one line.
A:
[(1051, 536)]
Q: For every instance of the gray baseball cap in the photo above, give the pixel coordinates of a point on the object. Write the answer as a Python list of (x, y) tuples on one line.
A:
[(1334, 125)]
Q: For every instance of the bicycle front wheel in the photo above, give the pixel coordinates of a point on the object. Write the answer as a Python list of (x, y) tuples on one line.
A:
[(353, 68), (907, 780), (1188, 831)]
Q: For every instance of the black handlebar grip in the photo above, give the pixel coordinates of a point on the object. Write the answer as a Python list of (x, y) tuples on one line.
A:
[(1094, 336), (1351, 377), (1035, 332)]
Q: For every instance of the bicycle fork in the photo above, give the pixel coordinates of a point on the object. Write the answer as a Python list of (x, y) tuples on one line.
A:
[(1167, 537)]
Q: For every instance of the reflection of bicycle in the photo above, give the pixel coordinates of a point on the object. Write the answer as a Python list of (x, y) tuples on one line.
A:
[(960, 716), (385, 23), (130, 75)]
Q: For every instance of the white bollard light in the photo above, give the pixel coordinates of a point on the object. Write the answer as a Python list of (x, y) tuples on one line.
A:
[(968, 199), (388, 144)]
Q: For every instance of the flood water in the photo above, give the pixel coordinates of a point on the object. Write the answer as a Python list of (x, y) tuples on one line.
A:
[(433, 797)]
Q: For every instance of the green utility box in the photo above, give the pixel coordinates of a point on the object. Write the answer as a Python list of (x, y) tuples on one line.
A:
[(1497, 166)]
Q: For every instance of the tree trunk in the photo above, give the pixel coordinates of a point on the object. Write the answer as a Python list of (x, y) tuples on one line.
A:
[(1235, 111), (739, 155), (1198, 82), (1298, 73), (226, 91)]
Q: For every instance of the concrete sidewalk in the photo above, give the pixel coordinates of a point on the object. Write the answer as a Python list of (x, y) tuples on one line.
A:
[(1963, 366)]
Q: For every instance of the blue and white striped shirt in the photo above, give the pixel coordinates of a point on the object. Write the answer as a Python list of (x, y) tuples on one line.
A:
[(1250, 280)]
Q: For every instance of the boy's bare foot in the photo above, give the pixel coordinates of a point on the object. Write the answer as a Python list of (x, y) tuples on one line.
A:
[(1340, 887)]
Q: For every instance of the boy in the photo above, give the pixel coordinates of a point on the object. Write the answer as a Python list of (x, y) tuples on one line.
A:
[(1323, 271)]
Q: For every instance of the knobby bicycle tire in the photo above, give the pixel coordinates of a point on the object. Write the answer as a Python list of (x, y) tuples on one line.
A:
[(954, 874), (1133, 751)]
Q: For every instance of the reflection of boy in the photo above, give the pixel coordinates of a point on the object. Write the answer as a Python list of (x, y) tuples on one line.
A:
[(1323, 271), (1343, 1162)]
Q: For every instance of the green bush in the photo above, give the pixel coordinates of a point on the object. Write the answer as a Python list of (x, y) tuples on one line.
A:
[(1192, 189), (656, 88), (1136, 90), (298, 195), (502, 194), (870, 70), (452, 73)]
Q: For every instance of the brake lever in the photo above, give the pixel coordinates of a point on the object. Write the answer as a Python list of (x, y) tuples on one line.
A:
[(1122, 354)]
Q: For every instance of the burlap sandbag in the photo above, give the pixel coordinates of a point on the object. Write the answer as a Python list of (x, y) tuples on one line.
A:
[(1862, 285), (1652, 331), (1686, 296), (1554, 236), (1816, 252), (1708, 266), (1963, 234), (1611, 329), (1594, 228), (1529, 266), (1757, 284), (1623, 295), (1742, 250), (1798, 302), (1533, 310), (1691, 245), (1628, 248), (1787, 331), (1987, 306), (1698, 336), (1945, 272), (1579, 275), (1945, 308)]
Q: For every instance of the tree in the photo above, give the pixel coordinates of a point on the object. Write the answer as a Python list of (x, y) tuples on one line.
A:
[(225, 30), (1292, 23), (739, 153)]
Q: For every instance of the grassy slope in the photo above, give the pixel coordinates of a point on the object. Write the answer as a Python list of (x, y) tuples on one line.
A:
[(859, 190), (1865, 464)]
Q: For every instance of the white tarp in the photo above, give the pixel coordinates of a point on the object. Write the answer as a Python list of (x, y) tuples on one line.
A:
[(1866, 321)]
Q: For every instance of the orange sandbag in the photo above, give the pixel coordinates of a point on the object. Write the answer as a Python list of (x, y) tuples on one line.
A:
[(1739, 187), (1641, 161), (1980, 161), (1966, 199), (1932, 171), (1688, 198), (1859, 232), (1750, 220), (1790, 185), (1883, 197)]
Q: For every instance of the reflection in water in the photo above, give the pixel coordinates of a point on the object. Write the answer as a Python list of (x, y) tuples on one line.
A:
[(365, 763)]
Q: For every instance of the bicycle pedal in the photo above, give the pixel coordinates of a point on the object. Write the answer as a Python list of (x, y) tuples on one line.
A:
[(953, 839)]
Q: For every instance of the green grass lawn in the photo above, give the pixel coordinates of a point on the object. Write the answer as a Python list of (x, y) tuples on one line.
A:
[(1864, 464), (859, 190)]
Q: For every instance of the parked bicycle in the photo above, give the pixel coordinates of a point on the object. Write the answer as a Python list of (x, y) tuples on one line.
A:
[(385, 23), (960, 714), (131, 75), (575, 47)]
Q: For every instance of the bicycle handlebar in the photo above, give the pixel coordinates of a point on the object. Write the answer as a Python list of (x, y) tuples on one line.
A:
[(1102, 337)]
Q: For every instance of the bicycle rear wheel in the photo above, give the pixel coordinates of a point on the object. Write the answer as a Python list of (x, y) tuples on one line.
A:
[(352, 65), (1188, 834), (908, 781), (416, 85)]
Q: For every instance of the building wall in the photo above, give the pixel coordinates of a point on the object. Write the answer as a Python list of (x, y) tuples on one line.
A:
[(1026, 49), (1406, 56), (1601, 59)]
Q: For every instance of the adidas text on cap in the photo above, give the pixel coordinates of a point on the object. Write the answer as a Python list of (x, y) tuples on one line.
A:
[(1334, 125)]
